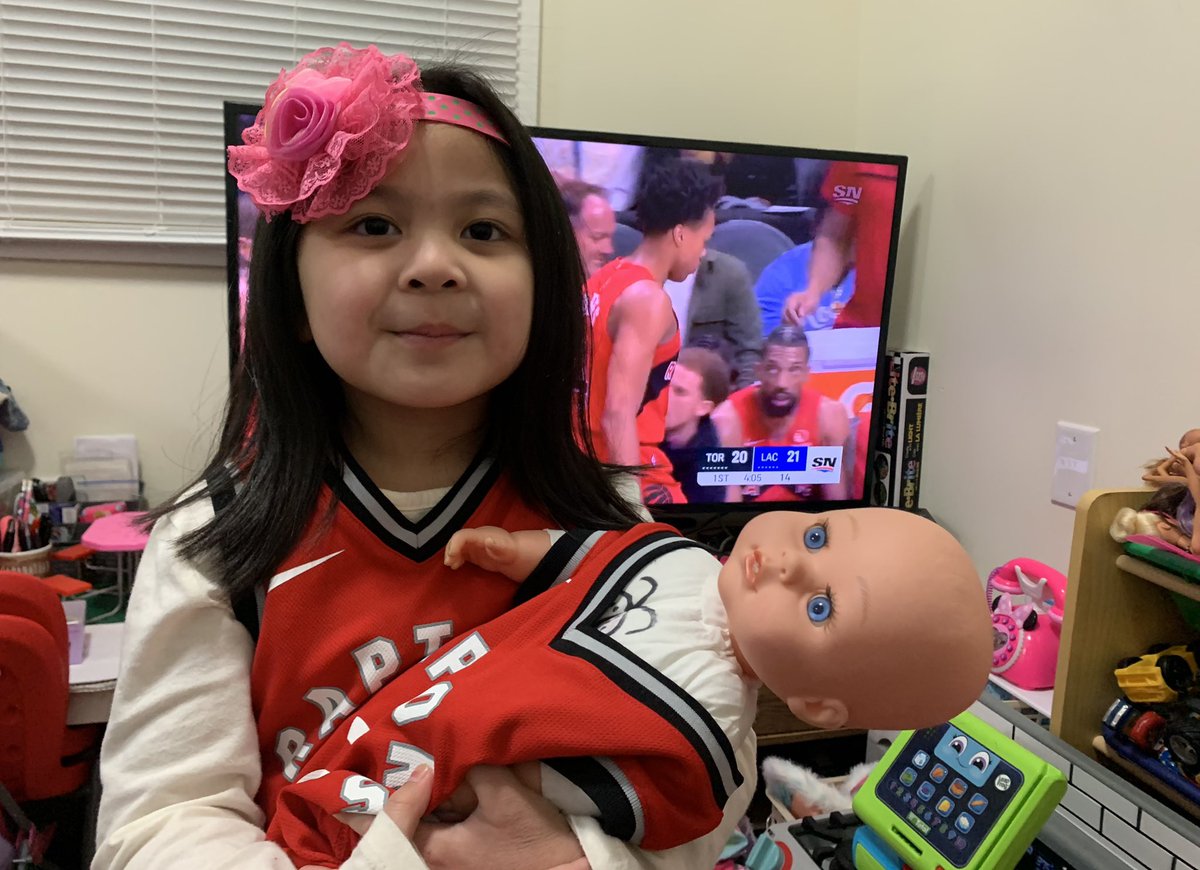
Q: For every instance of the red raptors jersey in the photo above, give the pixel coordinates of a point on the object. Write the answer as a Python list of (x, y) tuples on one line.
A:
[(866, 192), (603, 290), (756, 432), (363, 600), (544, 681)]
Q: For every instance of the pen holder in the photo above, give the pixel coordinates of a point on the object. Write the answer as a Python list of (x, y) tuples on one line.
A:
[(34, 562)]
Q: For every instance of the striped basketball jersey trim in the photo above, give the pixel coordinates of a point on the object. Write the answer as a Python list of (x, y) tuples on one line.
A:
[(421, 539), (642, 682)]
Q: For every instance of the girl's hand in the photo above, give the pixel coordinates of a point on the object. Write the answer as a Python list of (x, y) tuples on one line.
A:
[(489, 547), (409, 803), (508, 826), (406, 806)]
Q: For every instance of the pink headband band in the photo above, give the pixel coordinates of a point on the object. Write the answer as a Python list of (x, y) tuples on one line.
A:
[(453, 110), (330, 128)]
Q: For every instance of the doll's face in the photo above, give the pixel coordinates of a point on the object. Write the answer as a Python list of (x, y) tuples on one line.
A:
[(787, 589), (858, 616)]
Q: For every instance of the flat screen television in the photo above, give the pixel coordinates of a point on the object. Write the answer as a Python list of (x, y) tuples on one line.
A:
[(781, 210)]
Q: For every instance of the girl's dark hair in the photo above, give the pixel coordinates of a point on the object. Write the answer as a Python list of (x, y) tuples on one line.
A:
[(674, 192), (283, 418)]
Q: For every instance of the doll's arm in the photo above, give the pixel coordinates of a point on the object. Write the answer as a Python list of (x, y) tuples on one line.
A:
[(513, 554)]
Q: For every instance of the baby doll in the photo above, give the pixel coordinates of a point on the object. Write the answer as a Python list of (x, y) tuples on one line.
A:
[(631, 665)]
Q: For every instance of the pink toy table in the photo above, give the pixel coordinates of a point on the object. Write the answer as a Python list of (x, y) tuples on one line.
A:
[(117, 533)]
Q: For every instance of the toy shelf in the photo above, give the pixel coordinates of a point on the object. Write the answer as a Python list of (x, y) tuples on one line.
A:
[(1111, 612), (1158, 576), (1152, 783)]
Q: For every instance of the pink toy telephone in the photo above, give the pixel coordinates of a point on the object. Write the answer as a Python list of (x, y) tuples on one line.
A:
[(1027, 612)]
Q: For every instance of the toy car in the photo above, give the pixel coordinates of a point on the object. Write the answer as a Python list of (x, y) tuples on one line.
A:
[(1160, 676), (1144, 728), (1182, 736)]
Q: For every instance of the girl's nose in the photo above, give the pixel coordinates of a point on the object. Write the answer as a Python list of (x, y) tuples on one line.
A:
[(433, 265)]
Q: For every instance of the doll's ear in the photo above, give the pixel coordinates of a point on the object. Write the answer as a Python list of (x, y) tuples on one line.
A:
[(827, 713)]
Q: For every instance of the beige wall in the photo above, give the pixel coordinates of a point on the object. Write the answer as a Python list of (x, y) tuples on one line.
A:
[(97, 349), (1051, 223), (702, 68), (1049, 217), (1046, 248)]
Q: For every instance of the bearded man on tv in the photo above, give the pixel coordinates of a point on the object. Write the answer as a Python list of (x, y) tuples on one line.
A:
[(782, 411)]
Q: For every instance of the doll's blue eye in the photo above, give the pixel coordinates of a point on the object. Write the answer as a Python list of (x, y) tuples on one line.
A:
[(815, 537), (820, 608)]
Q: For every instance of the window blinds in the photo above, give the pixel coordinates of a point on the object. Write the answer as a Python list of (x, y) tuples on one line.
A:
[(111, 110)]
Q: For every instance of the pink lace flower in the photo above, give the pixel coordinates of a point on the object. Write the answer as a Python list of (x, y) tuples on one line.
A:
[(303, 119), (328, 131)]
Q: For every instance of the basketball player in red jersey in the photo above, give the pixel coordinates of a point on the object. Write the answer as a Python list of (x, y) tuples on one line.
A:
[(857, 225), (779, 411), (635, 335)]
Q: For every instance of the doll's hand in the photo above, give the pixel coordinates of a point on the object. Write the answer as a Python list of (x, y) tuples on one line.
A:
[(1185, 459), (1189, 467), (1163, 473), (489, 547)]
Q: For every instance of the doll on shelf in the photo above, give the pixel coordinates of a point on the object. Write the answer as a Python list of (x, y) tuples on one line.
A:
[(1173, 506), (630, 664)]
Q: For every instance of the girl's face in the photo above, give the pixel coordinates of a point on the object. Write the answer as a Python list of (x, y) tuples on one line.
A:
[(421, 295)]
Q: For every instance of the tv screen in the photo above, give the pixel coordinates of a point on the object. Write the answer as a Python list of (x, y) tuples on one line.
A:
[(756, 412), (241, 219)]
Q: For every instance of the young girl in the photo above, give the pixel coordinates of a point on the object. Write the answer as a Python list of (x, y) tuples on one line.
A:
[(413, 349)]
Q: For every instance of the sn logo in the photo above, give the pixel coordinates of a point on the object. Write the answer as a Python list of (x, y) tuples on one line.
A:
[(829, 462), (847, 194)]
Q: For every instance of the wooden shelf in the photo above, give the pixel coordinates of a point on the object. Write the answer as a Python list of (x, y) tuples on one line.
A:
[(1158, 576), (1110, 613), (781, 737), (1156, 785), (775, 724)]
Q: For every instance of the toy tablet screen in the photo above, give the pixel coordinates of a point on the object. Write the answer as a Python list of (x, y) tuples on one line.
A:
[(950, 788)]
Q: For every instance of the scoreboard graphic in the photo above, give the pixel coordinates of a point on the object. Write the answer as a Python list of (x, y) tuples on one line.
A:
[(767, 466)]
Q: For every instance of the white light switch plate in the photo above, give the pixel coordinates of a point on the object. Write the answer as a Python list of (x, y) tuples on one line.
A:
[(1074, 462)]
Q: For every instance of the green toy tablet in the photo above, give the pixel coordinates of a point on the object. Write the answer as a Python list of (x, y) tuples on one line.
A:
[(959, 795)]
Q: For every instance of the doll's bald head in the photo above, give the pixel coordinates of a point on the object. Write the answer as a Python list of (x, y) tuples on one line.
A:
[(865, 618)]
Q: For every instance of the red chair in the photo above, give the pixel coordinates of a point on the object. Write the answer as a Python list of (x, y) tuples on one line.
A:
[(40, 756)]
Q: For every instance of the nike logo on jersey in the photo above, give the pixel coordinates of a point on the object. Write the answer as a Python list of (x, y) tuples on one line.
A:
[(291, 573)]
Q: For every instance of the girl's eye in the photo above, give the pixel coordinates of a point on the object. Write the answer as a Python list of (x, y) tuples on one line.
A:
[(820, 608), (980, 761), (815, 537), (373, 226), (483, 231), (959, 745)]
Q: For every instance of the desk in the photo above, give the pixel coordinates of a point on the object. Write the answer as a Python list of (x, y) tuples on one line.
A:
[(93, 680)]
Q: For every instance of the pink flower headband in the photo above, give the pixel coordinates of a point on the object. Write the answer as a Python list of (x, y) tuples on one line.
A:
[(329, 129)]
